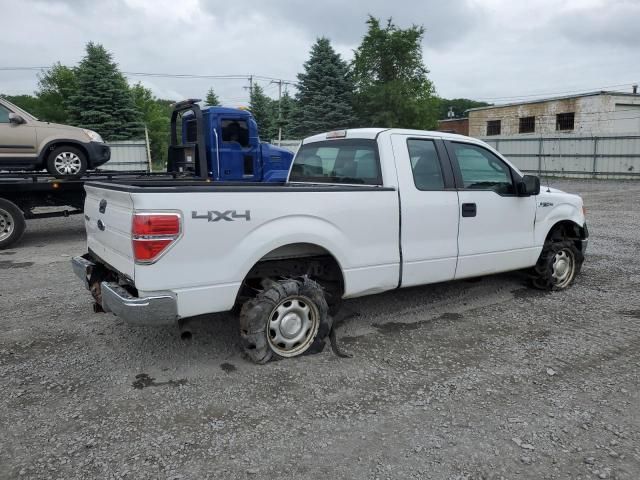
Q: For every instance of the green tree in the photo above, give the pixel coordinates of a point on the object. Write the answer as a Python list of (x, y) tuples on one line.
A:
[(286, 120), (102, 100), (392, 87), (212, 99), (55, 88), (325, 92), (156, 115), (458, 105), (26, 102), (261, 107)]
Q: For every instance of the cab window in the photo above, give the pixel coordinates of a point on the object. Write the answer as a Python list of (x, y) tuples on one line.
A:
[(235, 131), (4, 115), (425, 165), (482, 170), (350, 161)]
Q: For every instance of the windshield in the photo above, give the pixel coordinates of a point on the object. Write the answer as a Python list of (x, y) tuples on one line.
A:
[(16, 109), (350, 161)]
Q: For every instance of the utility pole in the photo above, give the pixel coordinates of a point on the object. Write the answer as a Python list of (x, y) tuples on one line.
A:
[(250, 87), (280, 84)]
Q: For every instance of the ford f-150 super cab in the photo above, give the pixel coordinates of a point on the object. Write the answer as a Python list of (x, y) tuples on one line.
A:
[(362, 211)]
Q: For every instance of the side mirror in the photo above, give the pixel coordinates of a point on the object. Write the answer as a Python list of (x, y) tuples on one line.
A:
[(15, 118), (529, 185)]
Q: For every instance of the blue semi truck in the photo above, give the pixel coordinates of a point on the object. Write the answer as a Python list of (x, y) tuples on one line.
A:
[(222, 144)]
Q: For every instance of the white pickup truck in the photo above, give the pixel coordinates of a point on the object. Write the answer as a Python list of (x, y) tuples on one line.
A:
[(363, 211)]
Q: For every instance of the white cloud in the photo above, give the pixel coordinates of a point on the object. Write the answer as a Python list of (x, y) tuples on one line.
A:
[(473, 48)]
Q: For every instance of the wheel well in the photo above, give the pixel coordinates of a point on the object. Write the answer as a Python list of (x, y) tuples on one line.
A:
[(296, 260), (63, 143), (567, 230)]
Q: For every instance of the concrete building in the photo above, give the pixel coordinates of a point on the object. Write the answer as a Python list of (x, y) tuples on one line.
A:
[(588, 114), (454, 125)]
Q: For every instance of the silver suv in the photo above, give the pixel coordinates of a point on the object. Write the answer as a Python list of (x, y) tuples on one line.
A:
[(29, 144)]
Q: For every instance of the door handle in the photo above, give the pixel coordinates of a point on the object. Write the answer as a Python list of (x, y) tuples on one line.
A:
[(469, 209)]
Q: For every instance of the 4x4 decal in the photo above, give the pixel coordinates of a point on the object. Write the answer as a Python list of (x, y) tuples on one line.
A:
[(216, 216)]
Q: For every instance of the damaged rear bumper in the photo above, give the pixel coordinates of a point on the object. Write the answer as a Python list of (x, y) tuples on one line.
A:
[(161, 308)]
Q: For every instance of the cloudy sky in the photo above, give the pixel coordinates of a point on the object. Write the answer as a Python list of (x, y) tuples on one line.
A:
[(493, 50)]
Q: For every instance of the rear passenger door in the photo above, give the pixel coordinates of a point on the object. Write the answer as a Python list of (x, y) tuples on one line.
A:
[(429, 210), (496, 225)]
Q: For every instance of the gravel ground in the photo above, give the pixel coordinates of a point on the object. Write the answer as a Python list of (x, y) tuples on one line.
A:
[(466, 380)]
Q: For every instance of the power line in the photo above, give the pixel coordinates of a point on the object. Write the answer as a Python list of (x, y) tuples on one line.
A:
[(567, 92)]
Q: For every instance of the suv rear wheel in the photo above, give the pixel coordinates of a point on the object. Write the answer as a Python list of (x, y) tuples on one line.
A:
[(67, 162)]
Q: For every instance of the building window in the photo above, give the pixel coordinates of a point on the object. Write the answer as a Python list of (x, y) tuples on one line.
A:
[(527, 125), (564, 121), (493, 127)]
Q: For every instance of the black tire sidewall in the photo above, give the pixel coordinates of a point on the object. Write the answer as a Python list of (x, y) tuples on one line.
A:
[(542, 272), (255, 313), (18, 223), (76, 151)]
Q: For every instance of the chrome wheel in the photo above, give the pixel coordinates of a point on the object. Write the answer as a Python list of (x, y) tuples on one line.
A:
[(563, 268), (6, 224), (292, 326), (67, 163)]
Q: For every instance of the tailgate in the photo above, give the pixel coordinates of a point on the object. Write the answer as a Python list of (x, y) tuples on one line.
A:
[(108, 216)]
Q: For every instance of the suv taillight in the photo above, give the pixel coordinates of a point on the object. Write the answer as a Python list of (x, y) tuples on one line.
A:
[(152, 234)]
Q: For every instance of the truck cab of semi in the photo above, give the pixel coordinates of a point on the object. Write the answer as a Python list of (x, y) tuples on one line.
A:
[(223, 144)]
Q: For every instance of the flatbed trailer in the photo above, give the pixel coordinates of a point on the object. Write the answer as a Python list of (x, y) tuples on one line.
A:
[(21, 193)]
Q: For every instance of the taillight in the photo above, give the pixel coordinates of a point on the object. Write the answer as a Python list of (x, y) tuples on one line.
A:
[(152, 234)]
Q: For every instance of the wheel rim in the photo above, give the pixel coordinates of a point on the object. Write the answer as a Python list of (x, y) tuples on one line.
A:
[(563, 268), (6, 225), (67, 163), (292, 326)]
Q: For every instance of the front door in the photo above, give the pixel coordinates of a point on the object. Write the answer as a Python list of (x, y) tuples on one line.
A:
[(496, 225), (429, 210), (17, 141)]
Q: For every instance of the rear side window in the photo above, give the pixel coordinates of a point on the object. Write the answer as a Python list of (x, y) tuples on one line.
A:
[(425, 165), (482, 170), (4, 115), (338, 161)]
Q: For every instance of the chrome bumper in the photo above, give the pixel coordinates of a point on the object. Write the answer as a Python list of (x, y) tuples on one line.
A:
[(159, 309), (82, 268)]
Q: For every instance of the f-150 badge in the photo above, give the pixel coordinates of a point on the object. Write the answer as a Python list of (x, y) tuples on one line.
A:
[(216, 216)]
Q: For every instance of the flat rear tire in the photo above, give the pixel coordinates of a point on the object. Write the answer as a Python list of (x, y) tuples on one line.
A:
[(287, 319)]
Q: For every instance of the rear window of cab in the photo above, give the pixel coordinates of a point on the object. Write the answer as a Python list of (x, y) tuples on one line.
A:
[(346, 161)]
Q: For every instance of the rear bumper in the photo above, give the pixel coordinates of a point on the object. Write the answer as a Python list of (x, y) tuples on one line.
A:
[(158, 309)]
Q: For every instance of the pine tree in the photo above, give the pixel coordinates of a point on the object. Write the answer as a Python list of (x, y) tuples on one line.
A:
[(286, 122), (212, 99), (102, 100), (325, 92), (261, 108)]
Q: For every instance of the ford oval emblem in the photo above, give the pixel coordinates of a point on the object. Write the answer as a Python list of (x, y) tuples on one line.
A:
[(101, 225)]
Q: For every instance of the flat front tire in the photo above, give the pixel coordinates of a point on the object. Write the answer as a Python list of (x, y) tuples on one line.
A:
[(12, 224), (287, 319), (559, 264)]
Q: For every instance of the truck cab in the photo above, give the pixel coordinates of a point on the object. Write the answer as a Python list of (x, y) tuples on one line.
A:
[(223, 144)]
